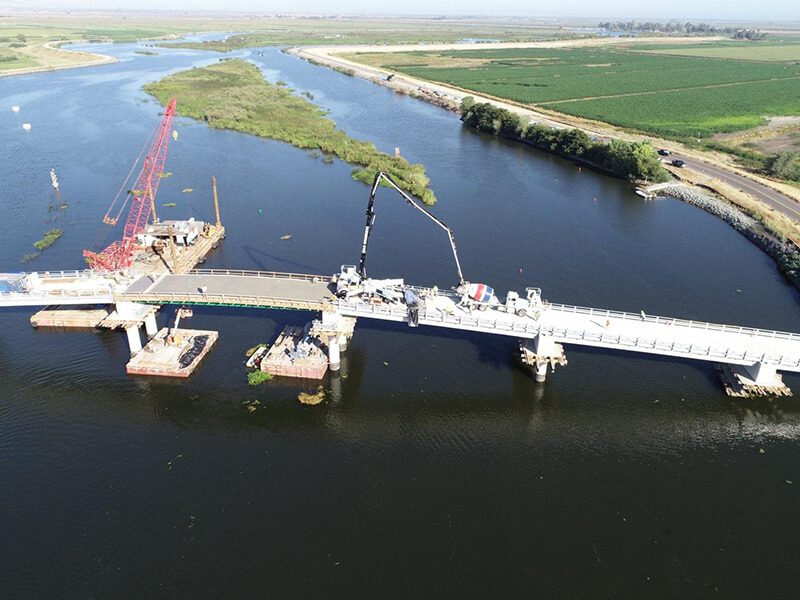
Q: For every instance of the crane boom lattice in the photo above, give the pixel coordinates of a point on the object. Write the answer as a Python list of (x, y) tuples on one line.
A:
[(119, 254)]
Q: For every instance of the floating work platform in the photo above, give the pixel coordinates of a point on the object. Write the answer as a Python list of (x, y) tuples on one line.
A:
[(172, 353), (161, 255), (74, 317), (296, 353)]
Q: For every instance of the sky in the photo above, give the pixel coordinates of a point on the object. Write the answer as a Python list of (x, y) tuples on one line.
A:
[(765, 10)]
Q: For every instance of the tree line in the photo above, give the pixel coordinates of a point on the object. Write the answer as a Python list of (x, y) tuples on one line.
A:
[(631, 160), (682, 28)]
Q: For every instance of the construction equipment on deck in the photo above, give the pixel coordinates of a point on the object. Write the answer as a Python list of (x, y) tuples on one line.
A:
[(120, 254), (180, 313), (383, 177)]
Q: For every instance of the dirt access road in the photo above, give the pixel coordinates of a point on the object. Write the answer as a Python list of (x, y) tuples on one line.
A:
[(778, 196)]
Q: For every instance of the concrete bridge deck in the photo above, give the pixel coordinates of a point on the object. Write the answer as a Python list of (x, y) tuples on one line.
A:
[(558, 323), (257, 289), (564, 323)]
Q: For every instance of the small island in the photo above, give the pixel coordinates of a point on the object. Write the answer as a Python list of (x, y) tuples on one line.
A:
[(233, 94)]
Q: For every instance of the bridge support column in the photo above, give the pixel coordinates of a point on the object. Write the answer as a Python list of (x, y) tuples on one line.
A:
[(150, 327), (334, 357), (335, 332), (540, 353), (752, 380), (134, 340), (761, 374), (344, 341)]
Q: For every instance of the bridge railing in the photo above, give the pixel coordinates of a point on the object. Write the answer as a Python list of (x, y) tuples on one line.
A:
[(695, 325), (100, 294), (258, 274), (493, 321), (217, 300), (68, 274)]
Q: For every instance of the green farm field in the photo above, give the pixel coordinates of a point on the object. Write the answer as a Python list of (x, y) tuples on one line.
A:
[(671, 96), (778, 51)]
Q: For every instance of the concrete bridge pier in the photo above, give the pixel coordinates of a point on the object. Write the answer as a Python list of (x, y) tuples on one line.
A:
[(150, 327), (761, 374), (131, 316), (749, 381), (335, 331), (334, 356), (541, 352), (134, 339)]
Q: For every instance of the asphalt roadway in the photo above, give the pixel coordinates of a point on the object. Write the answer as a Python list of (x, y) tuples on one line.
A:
[(769, 196)]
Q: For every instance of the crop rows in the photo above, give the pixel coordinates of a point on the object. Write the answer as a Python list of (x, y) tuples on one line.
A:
[(668, 95)]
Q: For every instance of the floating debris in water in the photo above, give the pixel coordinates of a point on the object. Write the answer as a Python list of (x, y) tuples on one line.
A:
[(286, 237), (312, 399), (26, 126), (165, 174), (175, 134), (29, 257), (169, 204), (15, 108), (187, 190), (251, 406)]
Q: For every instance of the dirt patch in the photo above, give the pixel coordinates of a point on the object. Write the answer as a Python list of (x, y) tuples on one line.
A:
[(780, 134)]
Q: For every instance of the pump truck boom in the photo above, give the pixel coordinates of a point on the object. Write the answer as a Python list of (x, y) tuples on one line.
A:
[(383, 177)]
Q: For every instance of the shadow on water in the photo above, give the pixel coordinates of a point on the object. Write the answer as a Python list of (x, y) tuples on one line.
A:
[(256, 254)]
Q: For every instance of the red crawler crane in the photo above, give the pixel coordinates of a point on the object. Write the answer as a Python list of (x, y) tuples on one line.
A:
[(119, 255)]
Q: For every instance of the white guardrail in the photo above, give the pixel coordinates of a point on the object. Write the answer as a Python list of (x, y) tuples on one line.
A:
[(503, 324), (259, 274)]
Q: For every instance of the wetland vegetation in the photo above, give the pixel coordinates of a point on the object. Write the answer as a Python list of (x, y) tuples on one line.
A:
[(234, 95), (49, 239)]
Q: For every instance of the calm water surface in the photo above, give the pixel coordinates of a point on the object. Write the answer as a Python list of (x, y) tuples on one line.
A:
[(436, 467)]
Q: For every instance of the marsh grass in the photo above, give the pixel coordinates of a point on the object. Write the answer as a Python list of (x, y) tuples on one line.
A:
[(49, 239), (234, 95)]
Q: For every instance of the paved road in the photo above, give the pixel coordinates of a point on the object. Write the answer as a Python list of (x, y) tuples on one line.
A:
[(408, 84), (767, 195), (235, 288)]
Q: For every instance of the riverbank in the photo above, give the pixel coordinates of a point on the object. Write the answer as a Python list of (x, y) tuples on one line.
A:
[(779, 229), (450, 97), (785, 253), (58, 58)]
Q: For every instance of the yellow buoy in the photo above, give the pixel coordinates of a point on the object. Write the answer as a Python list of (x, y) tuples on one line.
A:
[(175, 134)]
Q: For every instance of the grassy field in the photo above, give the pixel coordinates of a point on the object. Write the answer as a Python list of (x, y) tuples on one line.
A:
[(378, 31), (775, 51), (671, 96), (233, 94), (23, 39)]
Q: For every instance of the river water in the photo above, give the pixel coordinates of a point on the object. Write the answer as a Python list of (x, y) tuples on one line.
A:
[(436, 467)]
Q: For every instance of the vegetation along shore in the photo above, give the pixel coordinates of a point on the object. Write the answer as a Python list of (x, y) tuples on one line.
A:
[(233, 94), (636, 161)]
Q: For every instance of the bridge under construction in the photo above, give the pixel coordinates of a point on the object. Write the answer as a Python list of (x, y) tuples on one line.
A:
[(153, 265), (754, 355)]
